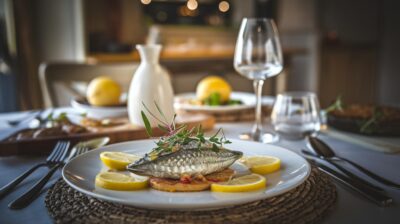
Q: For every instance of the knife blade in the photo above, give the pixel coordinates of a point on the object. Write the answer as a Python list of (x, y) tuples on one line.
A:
[(5, 134), (8, 132), (378, 197)]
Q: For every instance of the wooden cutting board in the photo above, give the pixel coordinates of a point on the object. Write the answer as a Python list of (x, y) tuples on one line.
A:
[(124, 131)]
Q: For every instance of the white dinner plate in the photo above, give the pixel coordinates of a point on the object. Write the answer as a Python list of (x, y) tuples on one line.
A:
[(181, 101), (80, 173)]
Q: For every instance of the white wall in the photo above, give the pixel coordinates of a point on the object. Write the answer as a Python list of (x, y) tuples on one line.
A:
[(242, 9), (389, 64), (59, 33), (298, 29)]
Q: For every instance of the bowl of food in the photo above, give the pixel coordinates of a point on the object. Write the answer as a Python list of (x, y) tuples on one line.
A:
[(364, 119)]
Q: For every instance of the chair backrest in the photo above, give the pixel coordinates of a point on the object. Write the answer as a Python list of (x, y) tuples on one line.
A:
[(62, 81)]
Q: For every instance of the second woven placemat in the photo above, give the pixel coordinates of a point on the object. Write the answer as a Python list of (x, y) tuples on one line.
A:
[(307, 203), (234, 115)]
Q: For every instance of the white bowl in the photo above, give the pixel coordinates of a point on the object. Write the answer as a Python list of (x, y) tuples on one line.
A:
[(99, 112)]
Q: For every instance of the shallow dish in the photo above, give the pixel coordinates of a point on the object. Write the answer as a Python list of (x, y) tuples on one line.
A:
[(382, 120), (248, 99), (80, 174), (99, 112)]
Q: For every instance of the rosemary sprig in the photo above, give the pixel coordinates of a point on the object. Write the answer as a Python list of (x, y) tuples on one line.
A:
[(147, 125), (370, 125), (176, 137), (337, 105)]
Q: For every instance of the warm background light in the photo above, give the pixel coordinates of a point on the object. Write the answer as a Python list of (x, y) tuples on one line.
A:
[(184, 11), (146, 2), (192, 4), (223, 6)]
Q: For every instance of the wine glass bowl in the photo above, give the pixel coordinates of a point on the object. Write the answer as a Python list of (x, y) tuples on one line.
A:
[(296, 115), (258, 56), (258, 53)]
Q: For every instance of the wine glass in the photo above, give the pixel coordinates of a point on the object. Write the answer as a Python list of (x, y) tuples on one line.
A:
[(258, 56), (296, 115)]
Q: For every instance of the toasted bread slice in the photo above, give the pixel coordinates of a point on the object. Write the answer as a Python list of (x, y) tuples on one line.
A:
[(198, 184), (172, 185), (221, 176)]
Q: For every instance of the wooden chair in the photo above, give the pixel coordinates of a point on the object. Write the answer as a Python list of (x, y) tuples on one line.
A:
[(62, 81)]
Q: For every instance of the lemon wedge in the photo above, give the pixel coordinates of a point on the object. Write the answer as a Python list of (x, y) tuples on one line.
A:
[(120, 181), (262, 164), (117, 160), (245, 183)]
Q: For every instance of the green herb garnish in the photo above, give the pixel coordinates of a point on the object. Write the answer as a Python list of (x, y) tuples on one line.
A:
[(337, 105), (215, 100), (146, 122), (176, 137), (235, 102), (370, 125), (61, 117)]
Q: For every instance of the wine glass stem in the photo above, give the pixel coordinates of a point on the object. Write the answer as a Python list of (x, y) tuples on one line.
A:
[(257, 130)]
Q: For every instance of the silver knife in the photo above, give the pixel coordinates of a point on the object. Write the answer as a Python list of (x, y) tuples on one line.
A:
[(8, 132), (377, 197), (5, 134)]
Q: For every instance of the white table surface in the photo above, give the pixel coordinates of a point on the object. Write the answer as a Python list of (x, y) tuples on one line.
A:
[(350, 207)]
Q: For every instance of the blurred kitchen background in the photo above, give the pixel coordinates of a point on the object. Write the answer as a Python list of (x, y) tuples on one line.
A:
[(332, 47)]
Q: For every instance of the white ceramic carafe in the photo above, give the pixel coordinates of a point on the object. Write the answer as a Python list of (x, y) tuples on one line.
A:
[(150, 83)]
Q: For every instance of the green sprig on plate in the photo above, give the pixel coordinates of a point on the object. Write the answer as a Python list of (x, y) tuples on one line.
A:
[(177, 136), (215, 100)]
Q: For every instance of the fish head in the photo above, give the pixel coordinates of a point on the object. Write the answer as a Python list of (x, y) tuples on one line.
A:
[(140, 167)]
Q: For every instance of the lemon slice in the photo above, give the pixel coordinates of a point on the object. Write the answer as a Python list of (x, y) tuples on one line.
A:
[(262, 164), (117, 160), (120, 181), (245, 183)]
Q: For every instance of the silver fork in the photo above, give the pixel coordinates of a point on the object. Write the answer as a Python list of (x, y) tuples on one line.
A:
[(28, 197), (56, 156)]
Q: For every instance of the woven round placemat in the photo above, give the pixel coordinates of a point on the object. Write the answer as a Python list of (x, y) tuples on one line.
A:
[(307, 203), (235, 115)]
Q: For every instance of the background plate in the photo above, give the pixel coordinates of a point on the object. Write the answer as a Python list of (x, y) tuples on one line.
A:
[(248, 100)]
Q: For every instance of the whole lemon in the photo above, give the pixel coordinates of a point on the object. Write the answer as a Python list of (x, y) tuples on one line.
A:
[(211, 85), (103, 91)]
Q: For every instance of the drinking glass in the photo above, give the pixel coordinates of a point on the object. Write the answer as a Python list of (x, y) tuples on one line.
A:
[(296, 115), (258, 56)]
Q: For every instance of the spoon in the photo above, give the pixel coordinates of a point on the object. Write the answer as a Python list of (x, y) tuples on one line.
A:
[(326, 152)]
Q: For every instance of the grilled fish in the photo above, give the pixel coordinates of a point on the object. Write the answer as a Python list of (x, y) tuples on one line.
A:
[(187, 160)]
